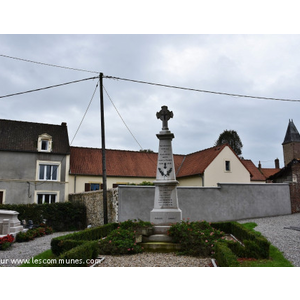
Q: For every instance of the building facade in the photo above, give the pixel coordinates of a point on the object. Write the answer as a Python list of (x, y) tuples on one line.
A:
[(34, 162)]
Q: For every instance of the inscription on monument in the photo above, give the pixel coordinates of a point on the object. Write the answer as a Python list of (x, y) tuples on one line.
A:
[(165, 196)]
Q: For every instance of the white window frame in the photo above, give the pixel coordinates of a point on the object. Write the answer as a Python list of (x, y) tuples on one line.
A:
[(44, 193), (45, 138), (51, 164), (4, 194)]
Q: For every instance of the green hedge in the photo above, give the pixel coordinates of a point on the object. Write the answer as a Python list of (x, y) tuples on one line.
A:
[(256, 246), (78, 256), (64, 243), (224, 256), (64, 216)]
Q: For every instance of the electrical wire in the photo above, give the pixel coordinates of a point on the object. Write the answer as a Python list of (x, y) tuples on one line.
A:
[(149, 83), (201, 91), (49, 65), (85, 113), (48, 87), (122, 118)]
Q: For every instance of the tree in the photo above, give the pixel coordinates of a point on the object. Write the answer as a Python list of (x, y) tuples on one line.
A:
[(232, 138)]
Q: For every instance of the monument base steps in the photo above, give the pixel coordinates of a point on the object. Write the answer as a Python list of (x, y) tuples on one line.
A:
[(159, 241), (157, 238), (160, 247)]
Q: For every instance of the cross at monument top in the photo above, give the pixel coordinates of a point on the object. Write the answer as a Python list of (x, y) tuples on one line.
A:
[(165, 115)]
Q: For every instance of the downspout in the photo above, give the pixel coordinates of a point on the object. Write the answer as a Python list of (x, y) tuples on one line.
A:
[(75, 184)]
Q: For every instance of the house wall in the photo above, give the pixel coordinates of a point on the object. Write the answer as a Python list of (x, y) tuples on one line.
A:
[(18, 176), (216, 172), (190, 181), (223, 203), (77, 182)]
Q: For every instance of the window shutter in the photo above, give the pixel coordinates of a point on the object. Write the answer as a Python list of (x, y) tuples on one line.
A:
[(87, 187)]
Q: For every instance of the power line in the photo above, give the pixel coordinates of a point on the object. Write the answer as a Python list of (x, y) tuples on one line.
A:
[(150, 83), (46, 64), (122, 119), (85, 113), (201, 91), (48, 87)]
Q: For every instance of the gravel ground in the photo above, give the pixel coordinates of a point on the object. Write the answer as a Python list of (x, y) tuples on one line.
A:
[(154, 260), (273, 228), (286, 240), (26, 250)]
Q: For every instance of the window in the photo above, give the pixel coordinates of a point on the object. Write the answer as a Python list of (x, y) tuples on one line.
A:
[(227, 166), (1, 197), (46, 198), (45, 143), (48, 170), (95, 186), (92, 187)]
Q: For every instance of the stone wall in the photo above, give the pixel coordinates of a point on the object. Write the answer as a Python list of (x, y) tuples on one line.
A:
[(226, 202), (295, 188), (94, 205)]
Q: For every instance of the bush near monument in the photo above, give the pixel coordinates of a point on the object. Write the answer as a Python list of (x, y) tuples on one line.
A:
[(6, 241), (64, 216), (196, 238)]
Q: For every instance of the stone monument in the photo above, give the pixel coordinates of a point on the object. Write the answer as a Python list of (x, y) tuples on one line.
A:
[(9, 222), (166, 210)]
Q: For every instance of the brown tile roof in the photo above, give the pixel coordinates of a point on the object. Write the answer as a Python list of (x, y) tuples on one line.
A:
[(88, 161), (196, 163), (23, 136), (255, 174), (269, 171)]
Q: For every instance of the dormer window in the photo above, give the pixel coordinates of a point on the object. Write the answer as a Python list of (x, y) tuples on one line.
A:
[(45, 143)]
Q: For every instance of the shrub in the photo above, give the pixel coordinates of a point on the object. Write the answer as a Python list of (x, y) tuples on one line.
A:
[(59, 244), (120, 241), (78, 256), (195, 238), (6, 241), (31, 234), (134, 224), (64, 216), (224, 256)]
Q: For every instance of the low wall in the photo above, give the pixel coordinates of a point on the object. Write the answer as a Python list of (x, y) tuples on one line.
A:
[(94, 206), (226, 202)]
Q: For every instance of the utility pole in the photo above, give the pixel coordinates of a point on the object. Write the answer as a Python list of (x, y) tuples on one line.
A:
[(105, 218)]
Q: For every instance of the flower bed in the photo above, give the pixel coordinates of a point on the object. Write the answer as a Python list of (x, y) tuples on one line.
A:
[(6, 241)]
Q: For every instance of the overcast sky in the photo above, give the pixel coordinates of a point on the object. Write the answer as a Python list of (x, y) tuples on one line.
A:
[(256, 65), (263, 65)]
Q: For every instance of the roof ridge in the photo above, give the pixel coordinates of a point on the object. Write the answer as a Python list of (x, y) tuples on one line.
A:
[(29, 122)]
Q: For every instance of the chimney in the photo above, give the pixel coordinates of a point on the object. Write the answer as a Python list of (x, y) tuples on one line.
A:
[(277, 163), (64, 124), (259, 165)]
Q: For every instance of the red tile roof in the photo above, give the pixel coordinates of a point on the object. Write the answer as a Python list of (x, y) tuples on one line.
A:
[(254, 172), (196, 163), (269, 171), (88, 161)]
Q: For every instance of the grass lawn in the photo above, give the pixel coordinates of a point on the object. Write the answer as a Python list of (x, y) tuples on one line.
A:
[(276, 257)]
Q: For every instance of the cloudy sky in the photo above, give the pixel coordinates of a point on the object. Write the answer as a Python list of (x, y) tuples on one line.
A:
[(260, 65)]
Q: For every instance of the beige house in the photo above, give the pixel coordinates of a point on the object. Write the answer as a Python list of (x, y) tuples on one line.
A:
[(203, 168)]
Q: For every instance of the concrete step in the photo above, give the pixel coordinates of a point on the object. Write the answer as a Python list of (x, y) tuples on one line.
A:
[(160, 247), (157, 238), (157, 229)]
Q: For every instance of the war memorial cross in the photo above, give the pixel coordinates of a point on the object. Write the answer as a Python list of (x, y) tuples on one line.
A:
[(165, 115)]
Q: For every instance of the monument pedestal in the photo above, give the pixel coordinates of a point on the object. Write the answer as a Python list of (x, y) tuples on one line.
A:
[(166, 210)]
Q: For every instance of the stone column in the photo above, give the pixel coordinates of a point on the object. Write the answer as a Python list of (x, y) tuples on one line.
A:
[(166, 210)]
